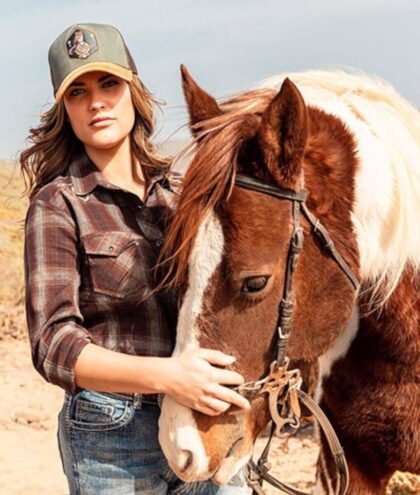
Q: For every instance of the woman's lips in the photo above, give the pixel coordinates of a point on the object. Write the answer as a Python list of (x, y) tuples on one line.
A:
[(102, 122)]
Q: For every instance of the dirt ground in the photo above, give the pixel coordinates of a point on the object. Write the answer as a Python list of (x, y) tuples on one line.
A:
[(28, 416), (29, 458)]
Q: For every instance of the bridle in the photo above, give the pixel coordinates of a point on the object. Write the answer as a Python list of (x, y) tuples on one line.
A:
[(281, 384)]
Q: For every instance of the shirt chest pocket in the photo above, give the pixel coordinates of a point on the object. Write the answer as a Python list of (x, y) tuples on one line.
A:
[(115, 263)]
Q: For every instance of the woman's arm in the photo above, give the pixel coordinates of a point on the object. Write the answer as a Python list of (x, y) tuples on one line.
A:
[(189, 378), (52, 280), (62, 348)]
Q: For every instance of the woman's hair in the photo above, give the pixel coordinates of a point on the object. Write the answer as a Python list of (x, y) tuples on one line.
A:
[(54, 144)]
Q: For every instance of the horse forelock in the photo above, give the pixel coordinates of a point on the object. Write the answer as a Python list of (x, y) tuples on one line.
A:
[(210, 176)]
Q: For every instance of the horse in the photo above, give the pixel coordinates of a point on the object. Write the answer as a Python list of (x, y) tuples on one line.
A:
[(353, 144)]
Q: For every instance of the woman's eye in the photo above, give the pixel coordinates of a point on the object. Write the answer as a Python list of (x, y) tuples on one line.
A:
[(77, 91), (112, 82), (254, 284)]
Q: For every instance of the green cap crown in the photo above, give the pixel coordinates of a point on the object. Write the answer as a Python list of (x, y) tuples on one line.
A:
[(86, 47)]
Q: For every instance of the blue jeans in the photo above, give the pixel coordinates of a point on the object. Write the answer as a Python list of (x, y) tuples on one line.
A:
[(109, 446)]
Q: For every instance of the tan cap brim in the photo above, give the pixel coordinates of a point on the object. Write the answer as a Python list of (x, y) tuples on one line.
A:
[(114, 69)]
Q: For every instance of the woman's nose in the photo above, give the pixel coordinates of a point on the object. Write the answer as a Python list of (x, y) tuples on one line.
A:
[(96, 102)]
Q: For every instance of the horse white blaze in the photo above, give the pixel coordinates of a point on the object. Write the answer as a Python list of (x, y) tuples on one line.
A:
[(178, 432)]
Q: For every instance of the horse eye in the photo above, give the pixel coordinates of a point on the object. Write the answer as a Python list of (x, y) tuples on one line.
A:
[(254, 284)]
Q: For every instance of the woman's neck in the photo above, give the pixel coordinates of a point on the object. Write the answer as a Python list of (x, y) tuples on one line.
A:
[(119, 166)]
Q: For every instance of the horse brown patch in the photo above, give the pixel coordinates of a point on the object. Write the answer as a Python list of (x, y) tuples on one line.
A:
[(371, 396)]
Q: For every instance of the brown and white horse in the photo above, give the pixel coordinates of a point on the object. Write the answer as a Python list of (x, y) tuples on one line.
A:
[(354, 144)]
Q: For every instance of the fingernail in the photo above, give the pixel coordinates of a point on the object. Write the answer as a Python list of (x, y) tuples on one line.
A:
[(232, 358)]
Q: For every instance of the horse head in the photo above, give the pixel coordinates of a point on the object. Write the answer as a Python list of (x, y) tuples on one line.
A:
[(229, 248)]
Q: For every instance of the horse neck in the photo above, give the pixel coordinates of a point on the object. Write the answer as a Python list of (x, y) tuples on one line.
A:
[(377, 179), (330, 165)]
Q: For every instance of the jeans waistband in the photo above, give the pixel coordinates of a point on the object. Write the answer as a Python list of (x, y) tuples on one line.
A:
[(137, 399)]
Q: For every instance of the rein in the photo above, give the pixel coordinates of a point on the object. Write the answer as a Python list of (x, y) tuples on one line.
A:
[(281, 384)]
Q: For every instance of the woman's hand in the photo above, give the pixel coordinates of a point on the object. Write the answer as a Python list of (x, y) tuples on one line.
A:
[(192, 381)]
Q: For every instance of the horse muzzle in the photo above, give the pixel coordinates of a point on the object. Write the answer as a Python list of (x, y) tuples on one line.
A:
[(199, 447)]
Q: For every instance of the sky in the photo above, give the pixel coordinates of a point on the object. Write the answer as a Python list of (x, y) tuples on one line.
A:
[(228, 46)]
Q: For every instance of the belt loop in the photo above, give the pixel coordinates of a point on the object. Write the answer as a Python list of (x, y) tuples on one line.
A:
[(137, 400)]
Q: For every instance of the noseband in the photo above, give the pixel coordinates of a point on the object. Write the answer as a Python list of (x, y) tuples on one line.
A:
[(281, 384)]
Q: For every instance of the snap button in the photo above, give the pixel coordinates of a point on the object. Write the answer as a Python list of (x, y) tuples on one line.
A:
[(111, 248), (159, 243), (140, 207)]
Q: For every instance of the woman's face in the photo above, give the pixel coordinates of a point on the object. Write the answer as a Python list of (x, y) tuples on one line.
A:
[(100, 109)]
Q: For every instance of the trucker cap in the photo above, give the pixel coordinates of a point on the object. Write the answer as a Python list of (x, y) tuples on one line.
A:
[(84, 48)]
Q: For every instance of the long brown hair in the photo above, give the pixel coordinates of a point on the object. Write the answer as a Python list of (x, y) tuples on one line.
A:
[(54, 144)]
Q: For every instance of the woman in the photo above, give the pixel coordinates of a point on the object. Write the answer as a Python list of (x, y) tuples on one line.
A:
[(92, 235)]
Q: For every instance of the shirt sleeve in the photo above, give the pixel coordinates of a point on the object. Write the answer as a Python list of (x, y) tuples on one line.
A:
[(52, 282)]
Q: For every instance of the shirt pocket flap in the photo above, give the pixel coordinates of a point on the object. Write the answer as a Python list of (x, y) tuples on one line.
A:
[(111, 243)]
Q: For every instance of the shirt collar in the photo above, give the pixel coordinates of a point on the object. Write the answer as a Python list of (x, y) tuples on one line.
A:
[(86, 176)]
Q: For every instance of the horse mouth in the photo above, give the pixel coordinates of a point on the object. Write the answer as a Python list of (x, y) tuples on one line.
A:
[(229, 465), (234, 446)]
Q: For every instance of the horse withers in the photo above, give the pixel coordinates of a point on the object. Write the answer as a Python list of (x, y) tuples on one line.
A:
[(353, 143)]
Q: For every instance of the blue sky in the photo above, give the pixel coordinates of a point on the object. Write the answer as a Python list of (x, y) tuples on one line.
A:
[(228, 45)]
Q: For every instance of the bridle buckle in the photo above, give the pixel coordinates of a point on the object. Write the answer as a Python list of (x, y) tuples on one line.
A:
[(281, 386)]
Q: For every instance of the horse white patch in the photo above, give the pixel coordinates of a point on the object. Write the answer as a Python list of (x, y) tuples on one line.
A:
[(337, 351), (177, 428), (204, 259)]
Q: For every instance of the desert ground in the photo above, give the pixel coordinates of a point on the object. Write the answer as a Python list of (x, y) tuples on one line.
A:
[(29, 458)]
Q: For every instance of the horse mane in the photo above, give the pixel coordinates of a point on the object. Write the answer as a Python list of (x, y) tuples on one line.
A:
[(395, 123), (210, 176)]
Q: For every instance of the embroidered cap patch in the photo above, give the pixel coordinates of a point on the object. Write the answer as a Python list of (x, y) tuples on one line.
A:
[(81, 44)]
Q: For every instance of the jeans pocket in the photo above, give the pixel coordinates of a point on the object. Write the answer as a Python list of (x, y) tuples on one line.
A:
[(94, 411)]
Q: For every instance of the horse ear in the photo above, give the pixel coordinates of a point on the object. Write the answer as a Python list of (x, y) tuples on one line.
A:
[(282, 135), (201, 105)]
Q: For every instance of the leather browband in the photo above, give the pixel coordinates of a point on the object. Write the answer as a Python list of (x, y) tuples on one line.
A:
[(276, 191)]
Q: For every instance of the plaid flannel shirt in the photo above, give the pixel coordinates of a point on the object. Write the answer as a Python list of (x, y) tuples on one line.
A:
[(89, 250)]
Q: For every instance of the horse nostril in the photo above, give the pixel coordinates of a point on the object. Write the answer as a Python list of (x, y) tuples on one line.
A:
[(188, 456)]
